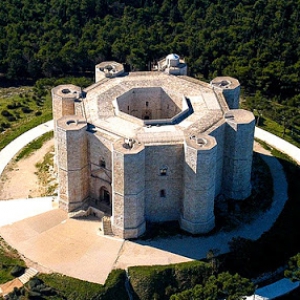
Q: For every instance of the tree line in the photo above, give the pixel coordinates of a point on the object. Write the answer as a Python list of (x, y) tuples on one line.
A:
[(254, 40)]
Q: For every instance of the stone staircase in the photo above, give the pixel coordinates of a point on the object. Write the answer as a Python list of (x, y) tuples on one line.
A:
[(30, 272), (107, 226), (79, 213)]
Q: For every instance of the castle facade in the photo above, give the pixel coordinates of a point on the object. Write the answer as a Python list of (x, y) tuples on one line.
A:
[(152, 146)]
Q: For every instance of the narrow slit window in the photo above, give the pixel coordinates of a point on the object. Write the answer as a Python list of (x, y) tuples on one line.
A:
[(147, 103), (162, 193), (163, 171), (102, 163)]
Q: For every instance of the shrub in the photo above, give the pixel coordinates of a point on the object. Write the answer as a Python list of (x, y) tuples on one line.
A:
[(26, 110), (38, 113), (72, 288), (5, 125), (115, 286), (11, 118), (14, 105), (165, 280), (5, 113), (17, 270)]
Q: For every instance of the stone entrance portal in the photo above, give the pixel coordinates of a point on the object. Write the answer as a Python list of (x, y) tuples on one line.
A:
[(105, 196), (104, 203)]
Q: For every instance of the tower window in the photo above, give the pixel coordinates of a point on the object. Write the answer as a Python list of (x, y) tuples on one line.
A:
[(102, 163), (147, 103), (163, 171), (162, 193)]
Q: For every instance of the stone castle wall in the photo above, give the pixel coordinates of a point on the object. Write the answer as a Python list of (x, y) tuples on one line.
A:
[(100, 160), (160, 181), (219, 135), (199, 185), (128, 190), (72, 161), (152, 102), (238, 154), (164, 182)]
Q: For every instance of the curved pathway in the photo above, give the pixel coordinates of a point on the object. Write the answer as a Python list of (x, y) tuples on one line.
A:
[(61, 234), (278, 143), (21, 208), (8, 152), (198, 247)]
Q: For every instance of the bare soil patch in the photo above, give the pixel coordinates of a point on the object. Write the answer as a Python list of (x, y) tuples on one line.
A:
[(19, 179)]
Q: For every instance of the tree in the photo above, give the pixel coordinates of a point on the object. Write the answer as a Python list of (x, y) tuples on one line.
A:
[(224, 286), (293, 268)]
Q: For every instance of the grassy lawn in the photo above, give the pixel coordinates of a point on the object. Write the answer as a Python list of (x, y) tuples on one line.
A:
[(20, 110), (56, 287), (34, 145), (9, 258), (277, 129)]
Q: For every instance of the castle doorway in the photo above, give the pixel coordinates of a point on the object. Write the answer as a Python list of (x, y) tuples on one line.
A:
[(147, 114), (105, 200), (104, 196)]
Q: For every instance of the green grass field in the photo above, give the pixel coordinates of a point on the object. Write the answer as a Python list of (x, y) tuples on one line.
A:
[(20, 110)]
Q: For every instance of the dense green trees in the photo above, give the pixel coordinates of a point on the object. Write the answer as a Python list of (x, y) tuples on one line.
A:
[(190, 280), (255, 41), (293, 269), (223, 286)]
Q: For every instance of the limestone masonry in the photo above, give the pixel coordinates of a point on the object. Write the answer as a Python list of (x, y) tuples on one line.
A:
[(152, 146)]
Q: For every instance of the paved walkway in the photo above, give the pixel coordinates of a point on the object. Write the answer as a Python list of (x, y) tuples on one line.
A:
[(278, 143), (7, 153), (12, 211), (75, 247)]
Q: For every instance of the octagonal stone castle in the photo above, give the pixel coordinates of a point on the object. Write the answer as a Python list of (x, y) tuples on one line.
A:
[(152, 146)]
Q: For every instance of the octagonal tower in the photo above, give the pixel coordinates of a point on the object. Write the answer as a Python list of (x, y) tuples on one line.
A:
[(199, 178)]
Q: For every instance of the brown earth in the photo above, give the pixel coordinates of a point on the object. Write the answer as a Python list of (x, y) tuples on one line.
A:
[(19, 179)]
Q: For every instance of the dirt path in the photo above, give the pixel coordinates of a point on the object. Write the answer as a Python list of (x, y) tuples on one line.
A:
[(19, 179)]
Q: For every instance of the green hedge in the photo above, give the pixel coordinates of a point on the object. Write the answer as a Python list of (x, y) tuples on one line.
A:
[(160, 282), (72, 288)]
